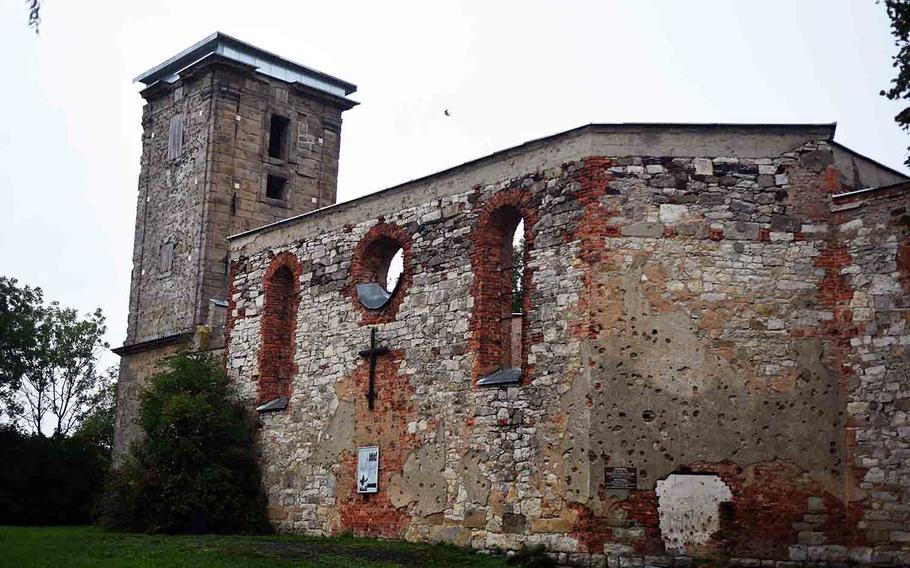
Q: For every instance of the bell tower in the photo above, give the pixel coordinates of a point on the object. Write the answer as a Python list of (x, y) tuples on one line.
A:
[(233, 138)]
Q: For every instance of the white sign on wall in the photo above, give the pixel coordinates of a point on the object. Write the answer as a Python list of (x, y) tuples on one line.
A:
[(368, 469)]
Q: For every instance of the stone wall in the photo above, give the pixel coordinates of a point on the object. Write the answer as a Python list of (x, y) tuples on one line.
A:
[(874, 280), (699, 315), (137, 368), (169, 212), (192, 198)]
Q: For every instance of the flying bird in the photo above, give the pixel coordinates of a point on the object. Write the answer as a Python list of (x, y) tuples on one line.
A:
[(447, 113)]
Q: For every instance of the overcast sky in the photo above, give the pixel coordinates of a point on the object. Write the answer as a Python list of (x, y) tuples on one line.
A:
[(507, 71)]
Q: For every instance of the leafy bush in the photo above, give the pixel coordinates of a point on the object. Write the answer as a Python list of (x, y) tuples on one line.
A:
[(49, 481), (196, 469)]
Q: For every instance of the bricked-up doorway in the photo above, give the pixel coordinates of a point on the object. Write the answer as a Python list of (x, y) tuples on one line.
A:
[(500, 301), (276, 356)]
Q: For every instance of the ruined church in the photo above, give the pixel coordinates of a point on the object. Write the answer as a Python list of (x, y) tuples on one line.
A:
[(708, 355)]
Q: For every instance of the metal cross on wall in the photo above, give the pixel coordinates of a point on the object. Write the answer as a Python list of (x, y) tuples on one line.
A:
[(372, 352)]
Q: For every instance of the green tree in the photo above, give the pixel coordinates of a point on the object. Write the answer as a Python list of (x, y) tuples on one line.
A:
[(899, 13), (196, 468), (49, 380), (62, 380), (49, 375), (96, 430), (20, 310), (57, 479)]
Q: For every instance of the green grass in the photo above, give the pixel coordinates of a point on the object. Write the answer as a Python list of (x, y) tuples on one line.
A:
[(66, 547)]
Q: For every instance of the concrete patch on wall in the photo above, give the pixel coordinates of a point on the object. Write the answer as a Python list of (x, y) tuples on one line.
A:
[(672, 384), (421, 481), (689, 507), (475, 484), (338, 434), (572, 463)]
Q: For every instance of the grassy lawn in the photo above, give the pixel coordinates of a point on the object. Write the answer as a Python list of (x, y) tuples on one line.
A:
[(65, 547)]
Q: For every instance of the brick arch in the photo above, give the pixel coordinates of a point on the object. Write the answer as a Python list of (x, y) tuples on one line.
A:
[(492, 287), (281, 286), (365, 265)]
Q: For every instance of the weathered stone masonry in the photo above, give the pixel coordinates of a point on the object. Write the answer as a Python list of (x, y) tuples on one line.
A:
[(207, 158), (715, 307)]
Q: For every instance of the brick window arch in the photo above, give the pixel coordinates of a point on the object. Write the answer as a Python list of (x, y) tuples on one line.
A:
[(499, 338), (373, 257), (281, 285)]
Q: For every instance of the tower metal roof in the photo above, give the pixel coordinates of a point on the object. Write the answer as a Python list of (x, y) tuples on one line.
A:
[(265, 62)]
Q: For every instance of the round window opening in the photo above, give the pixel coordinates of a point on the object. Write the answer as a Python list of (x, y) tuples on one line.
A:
[(383, 268)]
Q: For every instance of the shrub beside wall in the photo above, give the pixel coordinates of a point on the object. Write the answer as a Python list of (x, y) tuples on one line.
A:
[(196, 470)]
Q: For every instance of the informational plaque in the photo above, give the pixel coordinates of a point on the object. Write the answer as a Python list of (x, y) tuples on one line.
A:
[(368, 469), (621, 477)]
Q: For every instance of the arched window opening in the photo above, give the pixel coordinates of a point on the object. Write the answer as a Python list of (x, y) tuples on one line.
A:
[(501, 272), (380, 272), (276, 358)]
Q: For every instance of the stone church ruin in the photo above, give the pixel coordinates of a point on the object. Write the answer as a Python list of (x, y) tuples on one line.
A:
[(709, 355)]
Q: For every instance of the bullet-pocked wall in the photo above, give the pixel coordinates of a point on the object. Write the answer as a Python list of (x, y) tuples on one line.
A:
[(713, 353)]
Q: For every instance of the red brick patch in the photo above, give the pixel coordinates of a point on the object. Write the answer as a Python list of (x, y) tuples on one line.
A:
[(387, 427), (770, 507), (593, 179)]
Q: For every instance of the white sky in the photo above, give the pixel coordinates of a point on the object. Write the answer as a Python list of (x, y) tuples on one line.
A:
[(507, 71)]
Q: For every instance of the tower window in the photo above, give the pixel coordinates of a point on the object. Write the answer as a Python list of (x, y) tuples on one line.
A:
[(276, 187), (278, 137), (175, 137), (166, 260)]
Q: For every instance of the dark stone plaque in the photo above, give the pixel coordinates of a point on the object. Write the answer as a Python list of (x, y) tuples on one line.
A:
[(621, 477)]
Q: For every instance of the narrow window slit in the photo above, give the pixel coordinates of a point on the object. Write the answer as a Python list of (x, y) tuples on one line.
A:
[(505, 276), (278, 137)]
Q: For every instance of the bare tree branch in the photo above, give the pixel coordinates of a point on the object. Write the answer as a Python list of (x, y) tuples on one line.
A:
[(34, 14)]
